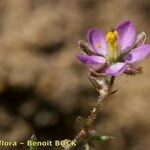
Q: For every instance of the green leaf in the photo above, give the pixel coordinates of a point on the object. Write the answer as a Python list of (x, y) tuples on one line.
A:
[(82, 121), (34, 139), (102, 138)]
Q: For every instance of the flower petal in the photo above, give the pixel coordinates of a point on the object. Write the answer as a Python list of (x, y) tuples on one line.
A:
[(138, 54), (126, 34), (91, 60), (116, 69), (96, 39)]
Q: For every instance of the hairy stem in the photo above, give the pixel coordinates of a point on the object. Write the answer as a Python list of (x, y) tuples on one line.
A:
[(83, 135)]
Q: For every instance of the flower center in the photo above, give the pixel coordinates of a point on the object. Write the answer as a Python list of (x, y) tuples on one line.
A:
[(111, 38)]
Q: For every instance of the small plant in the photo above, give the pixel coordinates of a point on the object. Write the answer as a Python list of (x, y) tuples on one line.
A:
[(108, 56)]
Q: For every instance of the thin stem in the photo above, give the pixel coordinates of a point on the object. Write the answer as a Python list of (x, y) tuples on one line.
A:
[(83, 135)]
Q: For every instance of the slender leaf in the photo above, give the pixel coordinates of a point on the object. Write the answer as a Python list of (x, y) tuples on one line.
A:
[(102, 138), (34, 139)]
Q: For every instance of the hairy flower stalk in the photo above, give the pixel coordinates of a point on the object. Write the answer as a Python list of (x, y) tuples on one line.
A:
[(105, 89), (107, 56)]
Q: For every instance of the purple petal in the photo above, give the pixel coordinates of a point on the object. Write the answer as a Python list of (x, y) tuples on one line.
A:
[(97, 41), (138, 54), (116, 69), (91, 60), (126, 34)]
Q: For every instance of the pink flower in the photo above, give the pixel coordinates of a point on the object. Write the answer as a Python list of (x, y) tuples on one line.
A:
[(117, 51)]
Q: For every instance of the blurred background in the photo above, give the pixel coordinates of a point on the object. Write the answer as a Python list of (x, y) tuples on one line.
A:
[(43, 88)]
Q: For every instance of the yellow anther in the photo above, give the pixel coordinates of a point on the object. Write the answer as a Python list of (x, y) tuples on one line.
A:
[(111, 38)]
